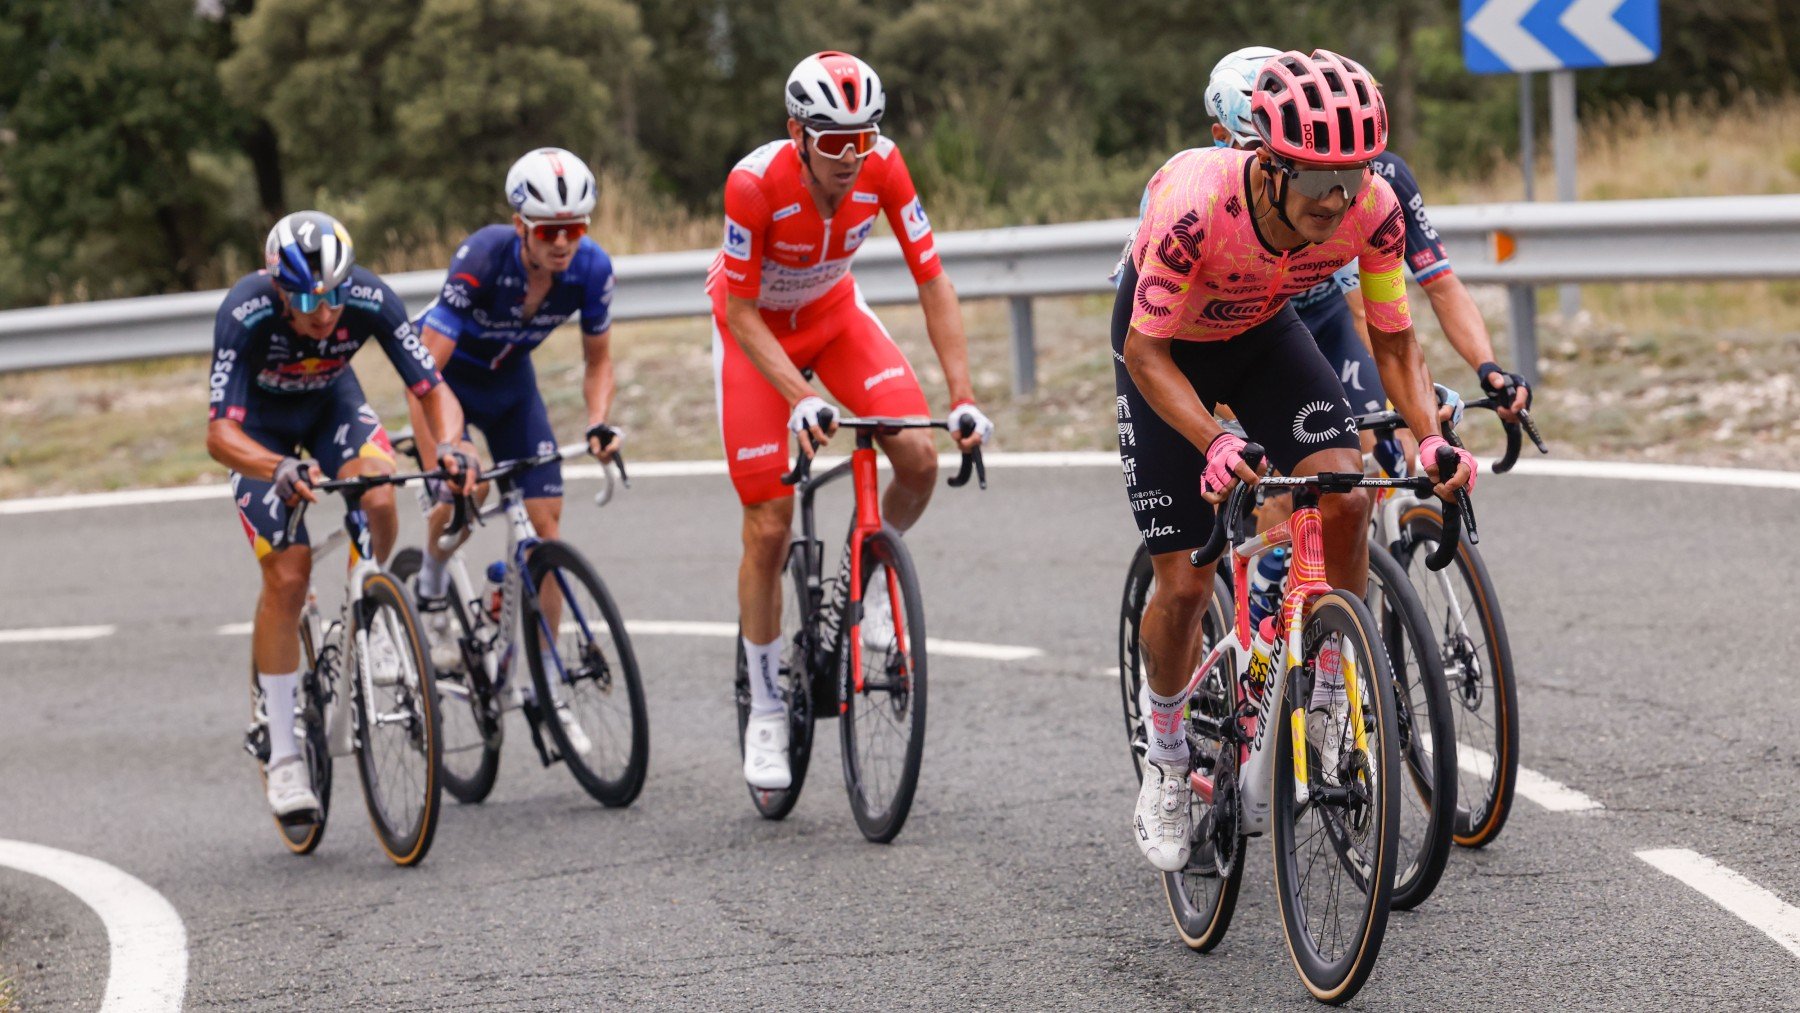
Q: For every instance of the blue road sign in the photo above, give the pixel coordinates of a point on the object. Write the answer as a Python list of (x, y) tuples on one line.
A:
[(1512, 36)]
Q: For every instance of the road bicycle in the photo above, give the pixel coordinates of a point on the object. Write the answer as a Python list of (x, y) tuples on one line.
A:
[(1325, 785), (366, 688), (578, 652), (1463, 613), (874, 681)]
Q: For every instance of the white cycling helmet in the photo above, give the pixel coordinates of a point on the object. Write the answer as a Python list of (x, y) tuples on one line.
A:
[(550, 183), (835, 91), (1228, 91)]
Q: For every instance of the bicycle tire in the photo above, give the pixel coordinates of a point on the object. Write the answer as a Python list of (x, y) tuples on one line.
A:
[(1203, 896), (1368, 836), (603, 675), (776, 803), (473, 783), (898, 686), (304, 838), (385, 614), (1140, 576), (1425, 731), (1478, 677)]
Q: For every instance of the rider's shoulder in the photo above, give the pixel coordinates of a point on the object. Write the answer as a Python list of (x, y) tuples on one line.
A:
[(591, 259), (485, 244), (370, 293), (251, 300), (758, 162)]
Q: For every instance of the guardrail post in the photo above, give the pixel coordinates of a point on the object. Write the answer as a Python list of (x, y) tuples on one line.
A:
[(1024, 347), (1522, 300)]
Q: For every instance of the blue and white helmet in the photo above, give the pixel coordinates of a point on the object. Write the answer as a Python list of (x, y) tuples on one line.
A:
[(550, 183), (309, 252), (1228, 92)]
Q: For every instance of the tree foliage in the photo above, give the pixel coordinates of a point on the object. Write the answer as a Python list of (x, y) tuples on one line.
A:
[(146, 144)]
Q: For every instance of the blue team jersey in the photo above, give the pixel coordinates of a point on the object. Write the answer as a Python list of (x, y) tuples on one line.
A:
[(254, 349), (1425, 255), (481, 305)]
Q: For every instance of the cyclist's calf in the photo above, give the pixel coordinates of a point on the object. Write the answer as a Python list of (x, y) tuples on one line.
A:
[(914, 458), (286, 575)]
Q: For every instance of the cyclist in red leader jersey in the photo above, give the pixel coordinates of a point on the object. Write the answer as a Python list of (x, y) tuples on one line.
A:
[(1202, 316), (783, 300)]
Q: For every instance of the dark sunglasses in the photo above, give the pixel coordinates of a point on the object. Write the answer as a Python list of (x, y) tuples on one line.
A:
[(1318, 183)]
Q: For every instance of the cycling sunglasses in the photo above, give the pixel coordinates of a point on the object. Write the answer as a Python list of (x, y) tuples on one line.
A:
[(844, 143), (1318, 183), (549, 230), (309, 302)]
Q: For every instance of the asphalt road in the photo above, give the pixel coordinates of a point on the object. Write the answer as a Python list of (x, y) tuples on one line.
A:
[(1653, 626)]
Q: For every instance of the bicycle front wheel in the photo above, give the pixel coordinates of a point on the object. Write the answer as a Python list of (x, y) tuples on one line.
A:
[(468, 712), (882, 716), (1337, 827), (1464, 613), (796, 683), (585, 675), (1424, 729), (398, 752)]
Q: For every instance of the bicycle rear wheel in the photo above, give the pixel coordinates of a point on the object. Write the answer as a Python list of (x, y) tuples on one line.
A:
[(1140, 579), (1335, 849), (398, 752), (796, 682), (1203, 895), (585, 675), (468, 713), (315, 751), (1424, 729), (1464, 614), (882, 715)]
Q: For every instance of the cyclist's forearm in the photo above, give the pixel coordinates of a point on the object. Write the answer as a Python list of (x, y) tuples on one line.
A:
[(229, 445), (764, 349), (1171, 396), (944, 325), (1401, 364), (597, 380), (1461, 320), (1359, 316), (445, 414)]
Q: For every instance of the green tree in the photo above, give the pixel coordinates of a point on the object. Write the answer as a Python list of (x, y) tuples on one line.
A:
[(106, 107)]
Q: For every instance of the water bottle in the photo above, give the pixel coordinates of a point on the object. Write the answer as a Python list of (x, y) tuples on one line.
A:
[(1265, 584), (496, 576)]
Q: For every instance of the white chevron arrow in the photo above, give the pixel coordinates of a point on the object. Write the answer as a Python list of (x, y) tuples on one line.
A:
[(1591, 21), (1497, 26)]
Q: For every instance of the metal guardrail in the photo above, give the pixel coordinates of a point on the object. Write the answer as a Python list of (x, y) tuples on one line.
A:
[(1519, 245)]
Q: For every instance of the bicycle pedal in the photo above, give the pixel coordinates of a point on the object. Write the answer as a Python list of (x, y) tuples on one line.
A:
[(300, 818), (256, 743)]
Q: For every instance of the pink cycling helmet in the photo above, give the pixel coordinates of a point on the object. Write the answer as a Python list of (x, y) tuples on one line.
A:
[(1324, 108)]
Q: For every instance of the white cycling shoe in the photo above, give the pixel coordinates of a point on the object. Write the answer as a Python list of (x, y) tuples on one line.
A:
[(578, 739), (878, 628), (440, 633), (766, 751), (290, 788), (1162, 822)]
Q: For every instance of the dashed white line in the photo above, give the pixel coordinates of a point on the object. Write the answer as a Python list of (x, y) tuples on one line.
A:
[(55, 633), (147, 943), (1762, 910), (1552, 795)]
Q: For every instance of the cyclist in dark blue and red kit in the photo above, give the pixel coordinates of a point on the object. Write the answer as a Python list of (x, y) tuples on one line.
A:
[(509, 286), (281, 381)]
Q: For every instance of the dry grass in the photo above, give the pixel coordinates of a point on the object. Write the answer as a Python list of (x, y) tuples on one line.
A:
[(1700, 373)]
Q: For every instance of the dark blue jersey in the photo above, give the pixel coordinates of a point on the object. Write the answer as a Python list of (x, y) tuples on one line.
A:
[(255, 352), (481, 306)]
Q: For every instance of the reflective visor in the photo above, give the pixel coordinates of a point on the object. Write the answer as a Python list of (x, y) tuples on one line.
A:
[(844, 143), (309, 302), (548, 231), (1318, 183)]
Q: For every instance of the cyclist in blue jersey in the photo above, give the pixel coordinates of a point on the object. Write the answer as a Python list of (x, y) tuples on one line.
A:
[(509, 286), (281, 381), (1324, 308)]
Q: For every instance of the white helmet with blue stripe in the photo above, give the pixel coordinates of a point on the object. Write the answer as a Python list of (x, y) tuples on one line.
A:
[(1228, 92)]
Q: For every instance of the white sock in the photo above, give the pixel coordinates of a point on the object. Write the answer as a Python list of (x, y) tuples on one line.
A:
[(764, 661), (433, 577), (278, 701), (1162, 724)]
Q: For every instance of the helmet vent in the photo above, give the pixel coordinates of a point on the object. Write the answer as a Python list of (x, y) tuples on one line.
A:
[(1362, 94), (1346, 130), (1290, 123), (850, 95), (1368, 132), (562, 190), (1311, 91), (1336, 82), (825, 86), (534, 192), (868, 91), (798, 90)]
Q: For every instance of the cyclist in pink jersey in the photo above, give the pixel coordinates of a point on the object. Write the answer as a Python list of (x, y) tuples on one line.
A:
[(1202, 317), (796, 211)]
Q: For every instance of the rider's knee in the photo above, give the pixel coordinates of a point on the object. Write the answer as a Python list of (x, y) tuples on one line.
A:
[(379, 499), (767, 529), (1183, 585), (1349, 511), (914, 458), (285, 579)]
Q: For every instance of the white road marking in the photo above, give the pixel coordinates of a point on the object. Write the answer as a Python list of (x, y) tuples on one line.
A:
[(1615, 470), (1552, 795), (1764, 911), (686, 628), (146, 940), (56, 633)]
